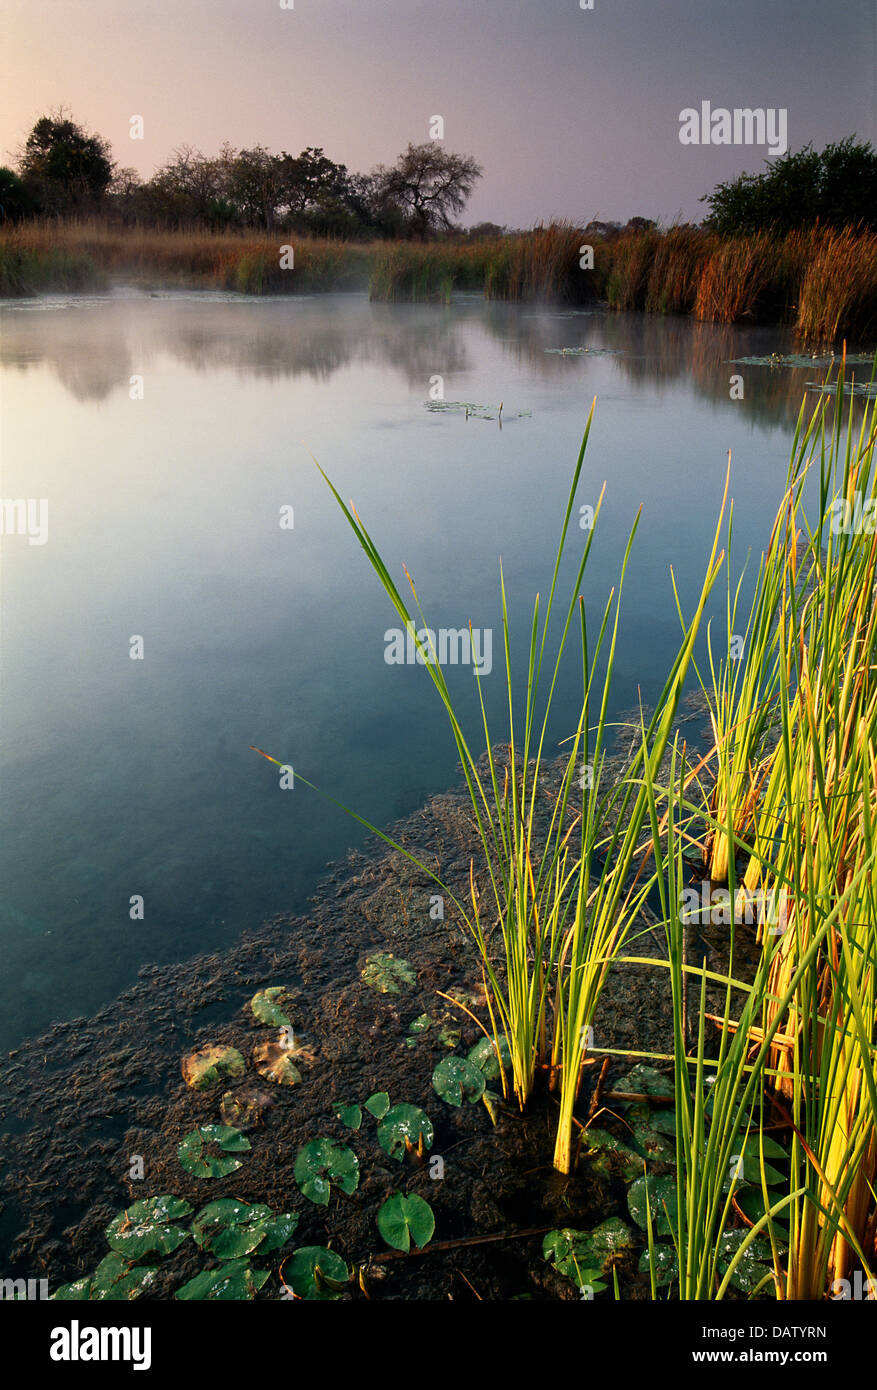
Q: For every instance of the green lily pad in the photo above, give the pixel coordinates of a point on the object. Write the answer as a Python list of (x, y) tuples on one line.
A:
[(456, 1079), (314, 1272), (666, 1265), (484, 1055), (608, 1157), (651, 1142), (584, 1255), (267, 1007), (147, 1228), (230, 1229), (403, 1219), (388, 974), (349, 1115), (417, 1028), (321, 1164), (751, 1201), (448, 1035), (754, 1264), (402, 1128), (205, 1067), (746, 1168), (207, 1152), (115, 1278), (234, 1280), (661, 1203), (646, 1081), (378, 1104)]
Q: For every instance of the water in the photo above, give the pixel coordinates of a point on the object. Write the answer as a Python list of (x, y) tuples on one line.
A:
[(126, 777)]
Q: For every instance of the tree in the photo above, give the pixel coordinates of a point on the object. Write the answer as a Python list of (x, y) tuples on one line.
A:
[(425, 186), (837, 188), (64, 168), (15, 200)]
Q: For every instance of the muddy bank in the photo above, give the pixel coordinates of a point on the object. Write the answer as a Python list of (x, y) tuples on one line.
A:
[(82, 1103)]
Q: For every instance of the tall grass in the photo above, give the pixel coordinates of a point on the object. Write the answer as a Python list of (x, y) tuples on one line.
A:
[(797, 1042), (822, 281)]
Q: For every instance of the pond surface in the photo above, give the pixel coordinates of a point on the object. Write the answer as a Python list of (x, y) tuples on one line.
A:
[(130, 777)]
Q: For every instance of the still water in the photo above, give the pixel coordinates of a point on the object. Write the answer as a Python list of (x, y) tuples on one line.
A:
[(170, 434)]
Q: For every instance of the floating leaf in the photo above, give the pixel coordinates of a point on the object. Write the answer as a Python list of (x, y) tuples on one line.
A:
[(388, 974), (243, 1109), (273, 1060), (646, 1081), (230, 1228), (235, 1280), (146, 1227), (378, 1104), (206, 1151), (322, 1163), (417, 1028), (350, 1115), (207, 1066), (584, 1255), (666, 1265), (115, 1278), (650, 1142), (456, 1079), (484, 1056), (448, 1036), (403, 1128), (608, 1157), (267, 1007), (278, 1231), (314, 1272), (403, 1219), (661, 1201), (755, 1263)]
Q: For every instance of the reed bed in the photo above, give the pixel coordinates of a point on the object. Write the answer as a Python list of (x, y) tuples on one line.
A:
[(822, 281)]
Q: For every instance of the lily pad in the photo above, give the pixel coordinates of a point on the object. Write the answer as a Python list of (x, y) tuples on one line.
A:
[(666, 1264), (484, 1055), (147, 1228), (243, 1109), (646, 1081), (207, 1152), (584, 1255), (755, 1263), (321, 1164), (403, 1219), (456, 1079), (268, 1006), (273, 1060), (378, 1104), (234, 1280), (661, 1203), (417, 1028), (388, 974), (314, 1272), (608, 1157), (230, 1229), (349, 1115), (115, 1278), (402, 1129), (205, 1067)]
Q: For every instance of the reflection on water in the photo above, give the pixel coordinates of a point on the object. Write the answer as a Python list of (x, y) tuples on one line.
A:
[(126, 779)]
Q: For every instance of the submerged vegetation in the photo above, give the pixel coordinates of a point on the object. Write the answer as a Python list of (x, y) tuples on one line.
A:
[(821, 280)]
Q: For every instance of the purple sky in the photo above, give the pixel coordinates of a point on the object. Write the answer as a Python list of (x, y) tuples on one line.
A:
[(571, 112)]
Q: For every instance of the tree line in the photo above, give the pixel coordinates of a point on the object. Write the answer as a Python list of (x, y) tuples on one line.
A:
[(64, 170)]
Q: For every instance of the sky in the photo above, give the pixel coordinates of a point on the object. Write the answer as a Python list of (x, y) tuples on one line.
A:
[(571, 112)]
